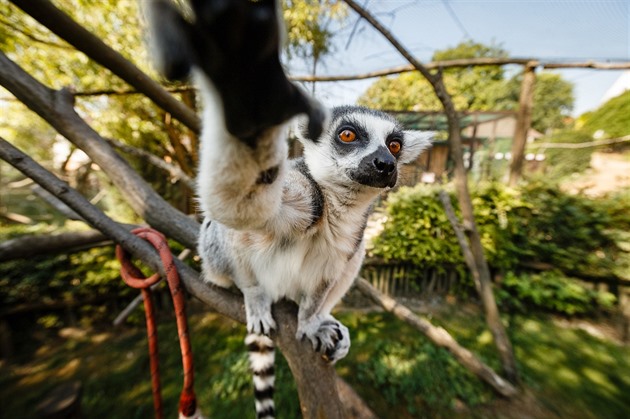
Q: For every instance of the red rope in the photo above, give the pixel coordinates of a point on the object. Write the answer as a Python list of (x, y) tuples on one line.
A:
[(134, 278)]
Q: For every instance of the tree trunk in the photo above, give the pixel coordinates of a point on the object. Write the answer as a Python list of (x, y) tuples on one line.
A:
[(523, 123)]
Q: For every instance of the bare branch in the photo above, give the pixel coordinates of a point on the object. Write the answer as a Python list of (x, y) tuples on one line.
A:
[(76, 35), (175, 172), (469, 258), (463, 62), (33, 245), (440, 337), (583, 145), (589, 64)]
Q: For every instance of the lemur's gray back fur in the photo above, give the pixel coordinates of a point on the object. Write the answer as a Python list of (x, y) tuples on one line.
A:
[(277, 228)]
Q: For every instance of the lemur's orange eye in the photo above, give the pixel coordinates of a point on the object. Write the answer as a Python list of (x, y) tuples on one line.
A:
[(394, 147), (347, 136)]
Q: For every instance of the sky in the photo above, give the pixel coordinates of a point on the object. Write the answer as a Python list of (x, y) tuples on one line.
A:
[(549, 30)]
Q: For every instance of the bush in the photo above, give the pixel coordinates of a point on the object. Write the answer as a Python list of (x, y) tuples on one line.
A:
[(538, 224), (561, 162), (553, 292), (417, 231)]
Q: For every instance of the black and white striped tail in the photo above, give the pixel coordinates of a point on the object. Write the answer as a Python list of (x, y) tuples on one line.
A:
[(261, 361)]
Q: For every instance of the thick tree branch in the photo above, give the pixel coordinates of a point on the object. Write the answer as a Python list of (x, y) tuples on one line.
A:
[(70, 31), (440, 337), (56, 107), (523, 123)]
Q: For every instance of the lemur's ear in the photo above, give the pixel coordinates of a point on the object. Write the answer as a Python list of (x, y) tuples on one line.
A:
[(415, 143), (169, 38)]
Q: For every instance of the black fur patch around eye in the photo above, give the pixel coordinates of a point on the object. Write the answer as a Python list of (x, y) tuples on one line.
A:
[(268, 176)]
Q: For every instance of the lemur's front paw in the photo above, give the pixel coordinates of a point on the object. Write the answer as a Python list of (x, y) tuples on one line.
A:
[(328, 337), (239, 50), (236, 45)]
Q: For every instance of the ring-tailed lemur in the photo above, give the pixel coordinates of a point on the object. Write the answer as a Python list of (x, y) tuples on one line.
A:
[(277, 228)]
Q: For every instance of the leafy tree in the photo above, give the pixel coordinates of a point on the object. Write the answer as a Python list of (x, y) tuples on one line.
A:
[(309, 28), (478, 88), (553, 99), (469, 86)]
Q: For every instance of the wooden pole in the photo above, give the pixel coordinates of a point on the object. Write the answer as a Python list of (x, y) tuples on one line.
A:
[(523, 122)]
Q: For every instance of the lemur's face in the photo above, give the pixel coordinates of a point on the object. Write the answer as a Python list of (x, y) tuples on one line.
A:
[(363, 146)]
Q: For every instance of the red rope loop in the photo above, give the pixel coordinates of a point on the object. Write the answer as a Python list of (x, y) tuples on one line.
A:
[(135, 279)]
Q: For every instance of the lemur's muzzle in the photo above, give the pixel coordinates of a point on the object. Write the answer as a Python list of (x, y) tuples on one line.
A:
[(378, 169)]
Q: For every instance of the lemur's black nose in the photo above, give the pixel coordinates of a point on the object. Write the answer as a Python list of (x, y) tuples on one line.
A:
[(385, 167)]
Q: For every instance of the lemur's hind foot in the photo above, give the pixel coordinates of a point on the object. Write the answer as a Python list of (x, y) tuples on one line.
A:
[(258, 312), (328, 336)]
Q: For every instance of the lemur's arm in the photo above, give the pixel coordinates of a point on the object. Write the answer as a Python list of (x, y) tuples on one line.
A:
[(233, 47)]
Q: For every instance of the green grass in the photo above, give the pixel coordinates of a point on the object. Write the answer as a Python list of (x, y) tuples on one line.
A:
[(396, 370)]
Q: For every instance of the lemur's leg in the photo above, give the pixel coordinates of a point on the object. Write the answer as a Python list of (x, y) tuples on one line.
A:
[(327, 334), (258, 310)]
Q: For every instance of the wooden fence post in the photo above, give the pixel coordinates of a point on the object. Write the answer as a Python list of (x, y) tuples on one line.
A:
[(523, 122)]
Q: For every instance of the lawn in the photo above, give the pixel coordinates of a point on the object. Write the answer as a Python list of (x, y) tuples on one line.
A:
[(566, 372)]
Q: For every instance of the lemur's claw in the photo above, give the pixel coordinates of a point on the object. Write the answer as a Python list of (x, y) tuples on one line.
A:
[(328, 337), (260, 326)]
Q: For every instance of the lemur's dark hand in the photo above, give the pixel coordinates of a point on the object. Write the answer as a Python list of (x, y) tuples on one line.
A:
[(236, 43)]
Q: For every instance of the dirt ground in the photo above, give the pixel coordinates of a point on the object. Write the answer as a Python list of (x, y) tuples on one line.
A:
[(608, 173)]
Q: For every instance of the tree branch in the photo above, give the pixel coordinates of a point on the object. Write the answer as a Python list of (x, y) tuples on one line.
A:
[(469, 258), (70, 31), (583, 145), (459, 63), (34, 245), (502, 342), (439, 337), (175, 171)]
